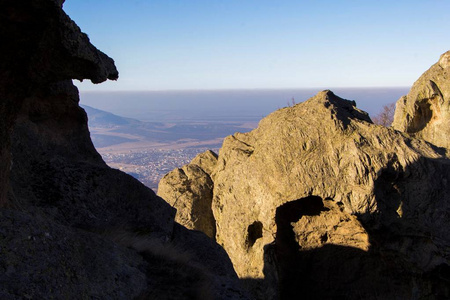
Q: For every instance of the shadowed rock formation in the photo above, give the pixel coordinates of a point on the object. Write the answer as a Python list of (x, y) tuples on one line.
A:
[(70, 226), (320, 200), (40, 46), (425, 111)]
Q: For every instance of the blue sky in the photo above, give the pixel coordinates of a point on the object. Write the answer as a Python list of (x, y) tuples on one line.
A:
[(246, 44)]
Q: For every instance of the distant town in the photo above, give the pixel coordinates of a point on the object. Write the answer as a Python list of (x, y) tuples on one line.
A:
[(149, 166), (149, 150)]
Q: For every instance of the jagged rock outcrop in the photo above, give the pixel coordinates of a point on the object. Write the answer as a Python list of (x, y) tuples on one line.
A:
[(40, 45), (425, 111), (318, 199), (189, 190), (70, 226)]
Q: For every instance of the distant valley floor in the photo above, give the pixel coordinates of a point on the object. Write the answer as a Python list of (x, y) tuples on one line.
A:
[(149, 150)]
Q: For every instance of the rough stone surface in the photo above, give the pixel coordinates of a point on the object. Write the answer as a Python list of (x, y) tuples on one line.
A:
[(41, 259), (214, 261), (207, 161), (318, 199), (189, 266), (331, 227), (70, 226), (425, 111), (190, 189)]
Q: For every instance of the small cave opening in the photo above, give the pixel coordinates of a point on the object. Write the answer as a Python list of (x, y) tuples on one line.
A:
[(254, 232), (292, 212), (422, 116)]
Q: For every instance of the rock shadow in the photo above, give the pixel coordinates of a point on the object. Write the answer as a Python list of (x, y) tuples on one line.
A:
[(286, 246)]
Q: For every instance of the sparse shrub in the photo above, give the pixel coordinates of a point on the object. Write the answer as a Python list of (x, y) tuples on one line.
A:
[(386, 116), (291, 103)]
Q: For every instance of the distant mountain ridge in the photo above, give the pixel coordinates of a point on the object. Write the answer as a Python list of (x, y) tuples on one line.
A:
[(108, 129), (101, 118)]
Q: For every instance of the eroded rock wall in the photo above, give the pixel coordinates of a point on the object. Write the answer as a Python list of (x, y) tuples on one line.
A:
[(40, 45), (425, 111)]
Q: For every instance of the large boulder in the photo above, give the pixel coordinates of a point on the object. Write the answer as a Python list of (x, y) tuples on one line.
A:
[(425, 111), (320, 201), (190, 190)]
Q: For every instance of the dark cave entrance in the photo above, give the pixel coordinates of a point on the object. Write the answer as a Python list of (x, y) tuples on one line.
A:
[(286, 246), (292, 212), (254, 232), (422, 116)]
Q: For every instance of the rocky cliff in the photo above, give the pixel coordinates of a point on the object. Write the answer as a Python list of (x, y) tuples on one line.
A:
[(319, 201), (425, 111), (40, 46), (70, 226)]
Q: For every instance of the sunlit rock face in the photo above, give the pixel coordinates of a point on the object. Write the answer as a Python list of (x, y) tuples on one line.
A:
[(319, 199), (425, 111), (190, 189), (70, 226)]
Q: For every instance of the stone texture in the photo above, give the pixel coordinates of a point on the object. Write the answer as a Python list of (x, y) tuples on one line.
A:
[(319, 199), (425, 111), (41, 259), (213, 260), (331, 227), (207, 161), (189, 190)]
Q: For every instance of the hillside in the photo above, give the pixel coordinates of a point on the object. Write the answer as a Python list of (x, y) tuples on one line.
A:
[(99, 118)]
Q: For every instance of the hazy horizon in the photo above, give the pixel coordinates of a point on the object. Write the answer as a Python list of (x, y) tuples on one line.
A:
[(225, 105)]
